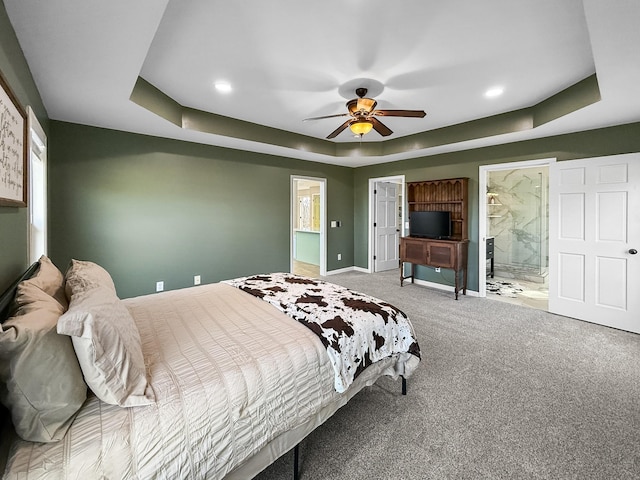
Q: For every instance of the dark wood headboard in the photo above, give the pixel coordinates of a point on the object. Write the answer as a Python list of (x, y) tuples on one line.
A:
[(6, 300)]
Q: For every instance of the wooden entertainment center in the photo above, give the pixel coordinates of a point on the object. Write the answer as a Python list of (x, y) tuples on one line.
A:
[(450, 195)]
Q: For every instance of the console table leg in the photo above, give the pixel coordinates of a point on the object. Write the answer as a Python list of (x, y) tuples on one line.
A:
[(455, 274), (464, 281)]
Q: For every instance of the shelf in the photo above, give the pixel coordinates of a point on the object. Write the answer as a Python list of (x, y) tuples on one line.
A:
[(451, 195), (494, 204), (494, 216)]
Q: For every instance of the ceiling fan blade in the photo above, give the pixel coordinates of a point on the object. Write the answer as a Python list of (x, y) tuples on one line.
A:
[(326, 116), (399, 113), (339, 130), (380, 127)]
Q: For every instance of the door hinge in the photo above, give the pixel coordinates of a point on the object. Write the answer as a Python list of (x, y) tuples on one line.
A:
[(374, 257), (375, 224), (375, 192)]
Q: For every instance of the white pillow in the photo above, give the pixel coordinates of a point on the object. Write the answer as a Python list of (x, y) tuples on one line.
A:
[(82, 276), (107, 344)]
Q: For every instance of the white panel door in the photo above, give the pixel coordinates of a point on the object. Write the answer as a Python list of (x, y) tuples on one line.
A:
[(386, 226), (594, 235)]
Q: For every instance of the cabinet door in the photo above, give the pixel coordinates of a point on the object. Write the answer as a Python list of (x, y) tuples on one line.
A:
[(413, 251), (441, 254)]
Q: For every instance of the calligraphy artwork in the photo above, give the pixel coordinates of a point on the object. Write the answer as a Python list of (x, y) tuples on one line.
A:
[(13, 142)]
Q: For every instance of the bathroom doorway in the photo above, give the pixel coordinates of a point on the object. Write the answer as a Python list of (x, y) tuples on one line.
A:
[(307, 226), (515, 209)]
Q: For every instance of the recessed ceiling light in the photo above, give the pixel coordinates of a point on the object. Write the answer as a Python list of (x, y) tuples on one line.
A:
[(223, 87), (494, 92)]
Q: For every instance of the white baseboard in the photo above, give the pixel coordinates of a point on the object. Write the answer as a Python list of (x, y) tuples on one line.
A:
[(360, 269), (340, 270), (440, 286), (348, 269)]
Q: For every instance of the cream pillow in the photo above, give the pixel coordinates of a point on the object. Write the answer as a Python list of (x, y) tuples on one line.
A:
[(47, 279), (107, 344), (83, 276), (40, 380)]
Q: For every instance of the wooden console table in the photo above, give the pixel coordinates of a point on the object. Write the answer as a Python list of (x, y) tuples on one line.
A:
[(450, 254)]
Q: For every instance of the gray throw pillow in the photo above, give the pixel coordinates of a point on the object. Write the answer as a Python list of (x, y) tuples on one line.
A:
[(40, 379)]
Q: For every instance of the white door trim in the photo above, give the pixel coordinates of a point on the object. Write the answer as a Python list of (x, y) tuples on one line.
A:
[(323, 217), (39, 145), (482, 211), (399, 179)]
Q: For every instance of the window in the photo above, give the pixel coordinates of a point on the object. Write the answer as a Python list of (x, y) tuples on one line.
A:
[(37, 189)]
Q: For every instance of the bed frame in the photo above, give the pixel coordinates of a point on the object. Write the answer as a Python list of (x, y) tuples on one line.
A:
[(6, 300), (6, 309)]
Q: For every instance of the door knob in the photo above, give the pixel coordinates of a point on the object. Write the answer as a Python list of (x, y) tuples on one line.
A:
[(633, 251)]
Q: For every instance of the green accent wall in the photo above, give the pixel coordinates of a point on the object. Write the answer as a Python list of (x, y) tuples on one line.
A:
[(151, 209), (593, 143), (14, 253)]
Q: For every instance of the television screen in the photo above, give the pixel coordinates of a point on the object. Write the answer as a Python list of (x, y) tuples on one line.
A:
[(430, 224)]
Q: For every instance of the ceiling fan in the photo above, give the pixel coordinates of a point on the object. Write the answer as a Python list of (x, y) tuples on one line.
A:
[(362, 112)]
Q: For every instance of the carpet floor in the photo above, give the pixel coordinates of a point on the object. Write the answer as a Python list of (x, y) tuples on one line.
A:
[(502, 392)]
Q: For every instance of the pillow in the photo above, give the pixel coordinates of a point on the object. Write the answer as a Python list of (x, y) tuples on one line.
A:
[(48, 279), (107, 344), (83, 276), (40, 379)]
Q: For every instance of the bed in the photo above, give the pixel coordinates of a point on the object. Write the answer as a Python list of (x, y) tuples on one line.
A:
[(214, 381)]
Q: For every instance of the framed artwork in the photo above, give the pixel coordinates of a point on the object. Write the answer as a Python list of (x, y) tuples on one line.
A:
[(13, 149)]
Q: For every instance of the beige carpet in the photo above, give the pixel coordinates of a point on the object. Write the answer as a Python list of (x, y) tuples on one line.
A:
[(503, 392)]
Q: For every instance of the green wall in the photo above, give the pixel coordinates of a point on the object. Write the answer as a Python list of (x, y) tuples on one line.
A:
[(14, 254), (151, 209), (154, 209), (594, 143)]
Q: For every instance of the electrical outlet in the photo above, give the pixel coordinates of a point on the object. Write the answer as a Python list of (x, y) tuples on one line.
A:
[(437, 269), (339, 256), (159, 286), (196, 279)]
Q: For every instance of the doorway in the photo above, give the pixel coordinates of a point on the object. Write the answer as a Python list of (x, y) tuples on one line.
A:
[(514, 203), (386, 222), (308, 245)]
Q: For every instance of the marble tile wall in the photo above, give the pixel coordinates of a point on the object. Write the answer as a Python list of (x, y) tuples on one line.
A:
[(518, 217)]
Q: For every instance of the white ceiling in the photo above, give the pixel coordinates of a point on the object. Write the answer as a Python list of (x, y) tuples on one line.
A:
[(288, 60)]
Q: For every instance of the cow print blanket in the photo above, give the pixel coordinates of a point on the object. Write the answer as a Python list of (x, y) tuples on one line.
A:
[(356, 329)]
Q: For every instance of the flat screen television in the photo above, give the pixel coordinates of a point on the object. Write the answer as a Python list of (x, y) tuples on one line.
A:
[(430, 224)]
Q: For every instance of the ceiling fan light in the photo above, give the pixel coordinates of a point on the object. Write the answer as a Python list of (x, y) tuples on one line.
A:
[(366, 104), (361, 127)]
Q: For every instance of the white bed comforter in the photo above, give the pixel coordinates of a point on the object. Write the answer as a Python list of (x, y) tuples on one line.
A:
[(230, 374)]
